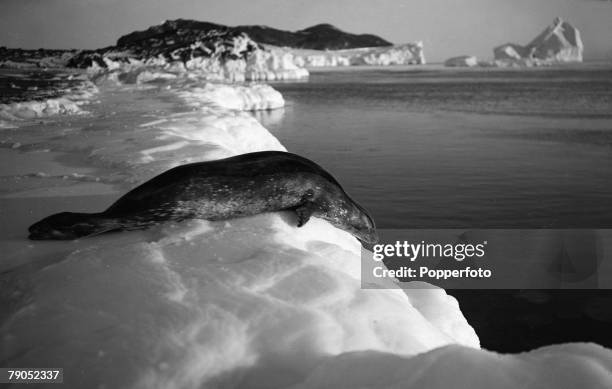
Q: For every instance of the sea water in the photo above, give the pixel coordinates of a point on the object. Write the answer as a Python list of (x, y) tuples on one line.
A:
[(465, 148)]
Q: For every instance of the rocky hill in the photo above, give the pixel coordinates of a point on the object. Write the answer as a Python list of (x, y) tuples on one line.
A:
[(319, 37)]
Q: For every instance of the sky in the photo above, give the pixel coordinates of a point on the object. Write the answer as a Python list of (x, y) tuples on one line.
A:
[(447, 27)]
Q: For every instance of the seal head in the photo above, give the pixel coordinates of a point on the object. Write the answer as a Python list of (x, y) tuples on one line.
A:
[(362, 226), (65, 226)]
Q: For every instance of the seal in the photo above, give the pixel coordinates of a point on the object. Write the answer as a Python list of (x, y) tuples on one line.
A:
[(244, 185)]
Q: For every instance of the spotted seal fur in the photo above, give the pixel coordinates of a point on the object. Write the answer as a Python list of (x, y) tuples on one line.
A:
[(244, 185)]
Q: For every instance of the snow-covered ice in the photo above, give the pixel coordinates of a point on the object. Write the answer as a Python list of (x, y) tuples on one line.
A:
[(244, 98), (254, 302), (567, 366)]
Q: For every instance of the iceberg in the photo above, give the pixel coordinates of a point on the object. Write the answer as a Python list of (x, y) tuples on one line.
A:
[(558, 43)]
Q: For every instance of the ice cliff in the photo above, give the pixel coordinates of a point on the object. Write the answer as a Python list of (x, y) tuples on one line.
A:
[(558, 43), (406, 54)]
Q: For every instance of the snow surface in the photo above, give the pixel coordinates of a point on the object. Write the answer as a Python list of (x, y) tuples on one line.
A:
[(254, 302), (249, 303), (567, 366)]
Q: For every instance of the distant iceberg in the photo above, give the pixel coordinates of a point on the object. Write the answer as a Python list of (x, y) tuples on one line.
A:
[(558, 43)]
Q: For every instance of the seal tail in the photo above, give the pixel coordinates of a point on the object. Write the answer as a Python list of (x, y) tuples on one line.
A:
[(71, 225)]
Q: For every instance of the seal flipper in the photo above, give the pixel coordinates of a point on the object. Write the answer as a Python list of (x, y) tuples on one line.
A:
[(304, 212), (306, 208)]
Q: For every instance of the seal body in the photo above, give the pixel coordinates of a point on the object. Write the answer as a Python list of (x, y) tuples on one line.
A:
[(244, 185)]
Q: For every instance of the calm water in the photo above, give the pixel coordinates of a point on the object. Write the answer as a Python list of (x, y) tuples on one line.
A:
[(24, 85), (446, 148)]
